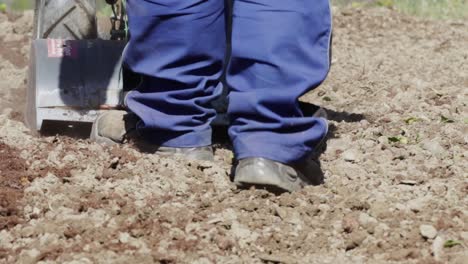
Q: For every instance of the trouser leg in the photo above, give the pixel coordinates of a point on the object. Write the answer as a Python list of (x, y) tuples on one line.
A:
[(280, 50), (178, 47)]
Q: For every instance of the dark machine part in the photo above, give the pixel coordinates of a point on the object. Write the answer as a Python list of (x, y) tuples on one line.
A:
[(67, 19), (73, 19), (73, 76), (73, 80), (119, 25)]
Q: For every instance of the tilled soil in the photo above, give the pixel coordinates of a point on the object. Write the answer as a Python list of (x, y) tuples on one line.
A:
[(395, 169)]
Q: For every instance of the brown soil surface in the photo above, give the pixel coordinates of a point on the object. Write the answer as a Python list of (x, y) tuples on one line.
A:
[(396, 169)]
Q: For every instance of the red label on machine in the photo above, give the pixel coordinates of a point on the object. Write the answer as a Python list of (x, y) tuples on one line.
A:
[(59, 48)]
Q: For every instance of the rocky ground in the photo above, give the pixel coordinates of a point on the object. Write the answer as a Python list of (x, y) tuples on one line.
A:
[(396, 169)]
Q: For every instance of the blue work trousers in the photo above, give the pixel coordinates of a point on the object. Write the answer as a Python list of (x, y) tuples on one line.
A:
[(280, 50)]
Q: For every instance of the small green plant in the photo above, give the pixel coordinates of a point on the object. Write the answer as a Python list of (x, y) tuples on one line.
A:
[(3, 7), (357, 4), (451, 243), (445, 119), (385, 3), (411, 120), (21, 4)]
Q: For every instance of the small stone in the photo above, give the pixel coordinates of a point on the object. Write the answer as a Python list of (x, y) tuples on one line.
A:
[(350, 155), (202, 260), (124, 238), (355, 240), (464, 236), (433, 147), (439, 189), (69, 158), (437, 247), (324, 207), (29, 256), (350, 223), (416, 205), (460, 259), (400, 207), (5, 239), (27, 231), (404, 254), (240, 231), (381, 229), (7, 111), (380, 209), (428, 231), (368, 222), (294, 218), (281, 212)]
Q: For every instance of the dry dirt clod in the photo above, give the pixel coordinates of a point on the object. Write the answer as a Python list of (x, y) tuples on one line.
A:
[(368, 222), (355, 239), (464, 236), (350, 223), (437, 248), (417, 205)]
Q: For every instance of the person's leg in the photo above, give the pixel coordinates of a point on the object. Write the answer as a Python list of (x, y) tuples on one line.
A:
[(178, 47), (280, 50)]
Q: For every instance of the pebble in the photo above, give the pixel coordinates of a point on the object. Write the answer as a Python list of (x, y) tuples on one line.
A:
[(124, 237), (416, 205), (28, 231), (460, 259), (7, 111), (434, 147), (428, 231), (368, 222), (437, 248), (355, 240), (29, 256), (5, 239), (381, 229), (464, 236), (324, 207), (439, 189), (380, 209), (350, 155), (350, 223)]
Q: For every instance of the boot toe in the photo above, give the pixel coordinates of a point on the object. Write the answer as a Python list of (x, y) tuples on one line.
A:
[(267, 174)]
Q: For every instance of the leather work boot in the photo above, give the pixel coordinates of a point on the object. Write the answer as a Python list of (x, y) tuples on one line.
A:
[(113, 127), (275, 176), (117, 126), (278, 177)]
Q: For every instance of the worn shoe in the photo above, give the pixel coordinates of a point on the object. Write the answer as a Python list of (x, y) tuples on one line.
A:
[(113, 127), (116, 127), (275, 176)]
